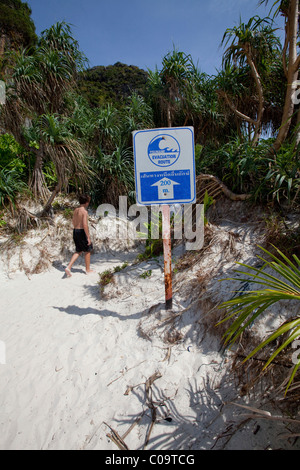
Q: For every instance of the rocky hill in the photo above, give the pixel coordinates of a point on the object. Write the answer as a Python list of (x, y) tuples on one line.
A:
[(112, 84)]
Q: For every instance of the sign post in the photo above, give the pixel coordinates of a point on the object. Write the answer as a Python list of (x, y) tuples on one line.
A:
[(167, 255), (164, 162)]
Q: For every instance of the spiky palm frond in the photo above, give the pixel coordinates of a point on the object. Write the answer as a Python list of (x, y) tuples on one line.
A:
[(137, 115), (11, 184), (255, 38), (116, 172), (244, 309), (59, 38), (67, 153)]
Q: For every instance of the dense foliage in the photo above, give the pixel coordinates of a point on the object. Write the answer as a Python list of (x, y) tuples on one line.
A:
[(76, 123), (16, 23), (13, 169)]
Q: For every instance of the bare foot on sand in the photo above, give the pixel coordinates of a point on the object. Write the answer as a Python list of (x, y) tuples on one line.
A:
[(68, 272), (90, 271)]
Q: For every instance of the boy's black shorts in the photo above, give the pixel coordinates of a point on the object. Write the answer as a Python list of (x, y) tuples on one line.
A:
[(81, 242)]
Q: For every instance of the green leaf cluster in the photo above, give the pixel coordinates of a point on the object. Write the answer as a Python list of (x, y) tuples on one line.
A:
[(16, 22), (12, 169)]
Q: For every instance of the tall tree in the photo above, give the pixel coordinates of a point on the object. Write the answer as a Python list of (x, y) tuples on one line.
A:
[(36, 97), (168, 87), (290, 10), (251, 43)]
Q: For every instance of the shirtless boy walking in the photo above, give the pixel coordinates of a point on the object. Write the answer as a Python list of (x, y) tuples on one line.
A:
[(81, 235)]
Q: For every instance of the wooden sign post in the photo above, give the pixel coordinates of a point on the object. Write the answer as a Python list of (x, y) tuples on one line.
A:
[(166, 227)]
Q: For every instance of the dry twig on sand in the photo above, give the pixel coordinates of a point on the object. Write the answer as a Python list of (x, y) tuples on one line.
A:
[(114, 435)]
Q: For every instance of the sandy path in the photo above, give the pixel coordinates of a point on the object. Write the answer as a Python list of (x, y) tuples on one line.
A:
[(71, 355)]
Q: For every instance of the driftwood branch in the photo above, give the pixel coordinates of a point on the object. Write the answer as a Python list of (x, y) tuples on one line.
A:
[(120, 440), (116, 438), (223, 187)]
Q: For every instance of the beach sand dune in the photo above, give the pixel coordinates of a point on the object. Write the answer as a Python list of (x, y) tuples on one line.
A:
[(80, 363)]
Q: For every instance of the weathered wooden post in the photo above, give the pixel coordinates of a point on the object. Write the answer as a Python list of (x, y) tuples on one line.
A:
[(166, 228)]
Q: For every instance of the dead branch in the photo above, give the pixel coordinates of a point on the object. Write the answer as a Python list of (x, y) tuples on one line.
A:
[(232, 196)]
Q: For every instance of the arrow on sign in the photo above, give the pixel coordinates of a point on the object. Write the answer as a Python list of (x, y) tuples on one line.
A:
[(165, 188)]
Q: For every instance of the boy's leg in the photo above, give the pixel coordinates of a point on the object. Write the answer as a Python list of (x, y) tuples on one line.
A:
[(88, 262), (73, 259)]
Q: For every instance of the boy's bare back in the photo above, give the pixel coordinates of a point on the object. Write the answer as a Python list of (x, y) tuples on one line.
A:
[(80, 218)]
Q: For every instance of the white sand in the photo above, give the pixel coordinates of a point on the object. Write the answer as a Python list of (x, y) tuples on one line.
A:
[(72, 353)]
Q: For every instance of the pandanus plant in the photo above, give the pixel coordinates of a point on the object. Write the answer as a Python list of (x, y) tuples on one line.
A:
[(281, 280)]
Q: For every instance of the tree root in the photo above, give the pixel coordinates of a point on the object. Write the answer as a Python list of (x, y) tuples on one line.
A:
[(222, 187)]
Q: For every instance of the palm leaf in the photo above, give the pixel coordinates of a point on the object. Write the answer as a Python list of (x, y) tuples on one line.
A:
[(246, 308)]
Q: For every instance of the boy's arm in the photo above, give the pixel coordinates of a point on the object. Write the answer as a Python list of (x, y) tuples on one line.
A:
[(86, 227)]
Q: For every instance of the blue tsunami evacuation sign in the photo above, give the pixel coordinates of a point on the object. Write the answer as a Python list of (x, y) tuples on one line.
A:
[(164, 166)]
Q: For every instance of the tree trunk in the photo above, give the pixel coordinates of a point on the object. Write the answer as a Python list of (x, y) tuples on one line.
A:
[(2, 45), (292, 73), (48, 204), (260, 112), (256, 123), (169, 115), (242, 116), (37, 182)]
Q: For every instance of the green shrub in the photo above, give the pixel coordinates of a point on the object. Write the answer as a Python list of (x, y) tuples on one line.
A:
[(12, 169)]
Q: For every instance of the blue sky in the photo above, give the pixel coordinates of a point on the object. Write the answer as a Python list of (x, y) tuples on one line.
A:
[(142, 32)]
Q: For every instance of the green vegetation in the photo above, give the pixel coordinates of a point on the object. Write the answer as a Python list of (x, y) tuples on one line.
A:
[(267, 175), (79, 121), (146, 274), (17, 26), (12, 170), (281, 279), (154, 246), (117, 269), (105, 278), (112, 84)]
